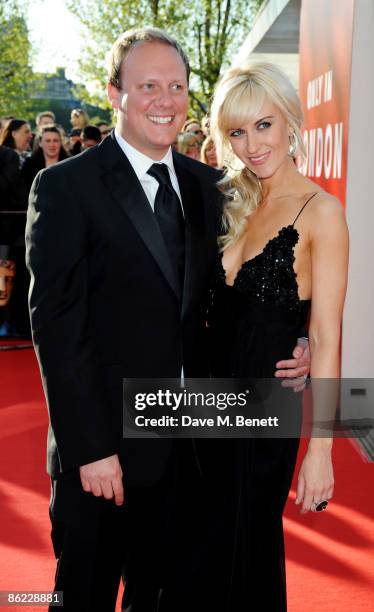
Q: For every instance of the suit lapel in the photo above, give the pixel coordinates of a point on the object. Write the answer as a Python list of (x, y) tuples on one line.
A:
[(193, 207), (125, 188)]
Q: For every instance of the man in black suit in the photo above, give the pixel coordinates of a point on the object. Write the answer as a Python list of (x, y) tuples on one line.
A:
[(118, 291)]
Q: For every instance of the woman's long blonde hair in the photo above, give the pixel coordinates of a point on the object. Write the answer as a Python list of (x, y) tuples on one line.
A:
[(238, 98)]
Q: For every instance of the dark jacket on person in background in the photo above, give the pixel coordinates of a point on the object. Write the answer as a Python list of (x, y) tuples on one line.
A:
[(35, 163), (13, 194)]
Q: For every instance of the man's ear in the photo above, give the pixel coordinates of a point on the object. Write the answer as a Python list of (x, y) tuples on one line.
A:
[(114, 96)]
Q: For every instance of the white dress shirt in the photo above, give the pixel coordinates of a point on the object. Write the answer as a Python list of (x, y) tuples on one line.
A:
[(141, 164)]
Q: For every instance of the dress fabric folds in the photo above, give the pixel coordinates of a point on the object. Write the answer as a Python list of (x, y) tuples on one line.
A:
[(253, 324)]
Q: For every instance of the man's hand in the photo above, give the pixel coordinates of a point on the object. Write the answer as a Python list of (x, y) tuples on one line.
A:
[(299, 366), (103, 478)]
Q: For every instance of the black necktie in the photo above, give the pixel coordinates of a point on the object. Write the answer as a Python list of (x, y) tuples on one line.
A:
[(168, 212)]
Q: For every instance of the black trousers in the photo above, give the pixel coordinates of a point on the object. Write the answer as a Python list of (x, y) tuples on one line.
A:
[(85, 534), (159, 541)]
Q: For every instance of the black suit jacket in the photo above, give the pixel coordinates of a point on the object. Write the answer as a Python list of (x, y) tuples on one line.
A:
[(103, 300)]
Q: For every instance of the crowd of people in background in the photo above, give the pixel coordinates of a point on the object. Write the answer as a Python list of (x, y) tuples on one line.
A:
[(23, 153)]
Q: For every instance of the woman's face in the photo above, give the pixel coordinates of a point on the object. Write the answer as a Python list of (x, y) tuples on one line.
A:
[(75, 119), (22, 137), (50, 142), (193, 149), (195, 128), (262, 144), (211, 156)]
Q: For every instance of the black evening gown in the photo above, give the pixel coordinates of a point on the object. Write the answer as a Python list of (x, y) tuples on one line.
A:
[(253, 324)]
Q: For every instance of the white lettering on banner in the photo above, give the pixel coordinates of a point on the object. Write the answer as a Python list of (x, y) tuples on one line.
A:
[(324, 151), (338, 139), (327, 154), (311, 152), (327, 94), (318, 86), (319, 152), (314, 93)]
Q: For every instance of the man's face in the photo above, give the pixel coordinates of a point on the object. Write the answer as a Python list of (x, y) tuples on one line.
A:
[(51, 144), (153, 101), (104, 130), (88, 143), (45, 120), (7, 274)]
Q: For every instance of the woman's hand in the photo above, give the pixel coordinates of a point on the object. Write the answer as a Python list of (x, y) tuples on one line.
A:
[(316, 476)]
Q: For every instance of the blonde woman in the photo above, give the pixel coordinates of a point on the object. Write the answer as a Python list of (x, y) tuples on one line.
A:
[(79, 118), (284, 250), (208, 154), (188, 144)]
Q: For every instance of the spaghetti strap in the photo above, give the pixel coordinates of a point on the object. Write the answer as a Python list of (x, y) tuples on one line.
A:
[(308, 200)]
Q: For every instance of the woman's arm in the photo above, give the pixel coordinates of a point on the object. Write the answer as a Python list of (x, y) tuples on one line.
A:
[(329, 259), (329, 254)]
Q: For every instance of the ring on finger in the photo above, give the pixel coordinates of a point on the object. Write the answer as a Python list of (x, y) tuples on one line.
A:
[(319, 506)]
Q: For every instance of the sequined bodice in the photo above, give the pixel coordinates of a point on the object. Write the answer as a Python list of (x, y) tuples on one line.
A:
[(269, 277), (256, 321)]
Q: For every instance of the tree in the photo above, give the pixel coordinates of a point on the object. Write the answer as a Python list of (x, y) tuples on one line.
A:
[(219, 27), (16, 75), (209, 30)]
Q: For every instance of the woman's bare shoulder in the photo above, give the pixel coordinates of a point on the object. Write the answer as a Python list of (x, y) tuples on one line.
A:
[(327, 219), (327, 207), (322, 202)]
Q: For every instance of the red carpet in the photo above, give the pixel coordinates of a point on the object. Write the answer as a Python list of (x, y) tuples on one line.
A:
[(330, 562)]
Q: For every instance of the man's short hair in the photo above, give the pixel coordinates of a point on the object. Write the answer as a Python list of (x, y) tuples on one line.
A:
[(91, 132), (75, 132), (50, 128), (49, 114), (129, 39)]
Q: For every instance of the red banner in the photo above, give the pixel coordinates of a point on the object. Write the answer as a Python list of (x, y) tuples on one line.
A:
[(326, 29)]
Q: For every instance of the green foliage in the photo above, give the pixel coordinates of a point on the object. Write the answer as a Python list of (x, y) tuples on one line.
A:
[(16, 77), (218, 28), (210, 31)]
